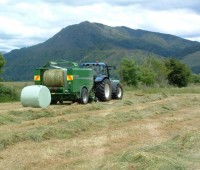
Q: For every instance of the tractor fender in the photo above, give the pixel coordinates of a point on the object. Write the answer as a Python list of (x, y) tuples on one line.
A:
[(99, 79)]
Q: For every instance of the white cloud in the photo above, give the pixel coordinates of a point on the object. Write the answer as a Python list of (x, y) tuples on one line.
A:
[(29, 22), (178, 22)]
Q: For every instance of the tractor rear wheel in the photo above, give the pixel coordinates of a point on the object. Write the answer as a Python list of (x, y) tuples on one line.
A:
[(103, 90), (84, 96), (118, 92)]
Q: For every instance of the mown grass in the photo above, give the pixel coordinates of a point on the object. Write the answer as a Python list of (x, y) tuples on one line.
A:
[(16, 117), (57, 130), (64, 128), (180, 152)]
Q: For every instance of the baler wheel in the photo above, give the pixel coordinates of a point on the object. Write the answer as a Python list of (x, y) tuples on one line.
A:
[(53, 101), (84, 97)]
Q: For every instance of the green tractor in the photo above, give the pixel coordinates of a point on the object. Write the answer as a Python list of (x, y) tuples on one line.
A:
[(105, 87), (67, 81)]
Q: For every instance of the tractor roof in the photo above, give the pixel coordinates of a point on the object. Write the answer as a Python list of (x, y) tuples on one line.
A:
[(94, 64)]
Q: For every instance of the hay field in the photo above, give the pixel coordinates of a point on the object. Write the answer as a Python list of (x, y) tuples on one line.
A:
[(149, 129)]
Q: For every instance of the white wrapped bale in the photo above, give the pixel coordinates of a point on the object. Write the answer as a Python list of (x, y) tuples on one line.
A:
[(36, 96)]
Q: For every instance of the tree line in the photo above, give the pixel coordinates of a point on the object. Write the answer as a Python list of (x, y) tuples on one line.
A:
[(153, 71), (2, 62), (150, 71), (6, 93)]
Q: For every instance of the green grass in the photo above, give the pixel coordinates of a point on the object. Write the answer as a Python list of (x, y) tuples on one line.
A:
[(173, 90), (168, 90), (10, 91)]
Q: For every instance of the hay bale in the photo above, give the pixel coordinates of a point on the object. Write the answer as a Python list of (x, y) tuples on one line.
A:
[(35, 96), (53, 78)]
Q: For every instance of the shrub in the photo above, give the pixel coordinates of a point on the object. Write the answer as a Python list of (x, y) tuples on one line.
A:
[(195, 78), (179, 73), (8, 94), (129, 72)]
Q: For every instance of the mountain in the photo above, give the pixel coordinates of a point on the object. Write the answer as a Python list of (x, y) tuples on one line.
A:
[(93, 41), (3, 52)]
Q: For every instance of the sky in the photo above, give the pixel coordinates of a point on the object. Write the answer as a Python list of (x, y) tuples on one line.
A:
[(28, 22)]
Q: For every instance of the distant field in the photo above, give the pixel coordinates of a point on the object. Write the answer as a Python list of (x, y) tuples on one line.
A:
[(10, 91), (17, 85), (150, 129)]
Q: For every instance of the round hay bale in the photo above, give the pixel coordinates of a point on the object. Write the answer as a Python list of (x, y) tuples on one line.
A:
[(35, 96), (53, 78)]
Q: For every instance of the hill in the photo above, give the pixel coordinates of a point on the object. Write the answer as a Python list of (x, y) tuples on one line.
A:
[(193, 61), (3, 52), (93, 41)]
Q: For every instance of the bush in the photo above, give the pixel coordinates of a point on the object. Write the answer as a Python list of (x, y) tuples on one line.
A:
[(179, 73), (129, 72), (8, 94), (147, 76), (2, 62), (195, 78)]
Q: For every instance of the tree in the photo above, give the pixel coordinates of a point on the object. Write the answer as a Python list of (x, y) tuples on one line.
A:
[(2, 62), (128, 71), (153, 71), (160, 71), (147, 74), (179, 73)]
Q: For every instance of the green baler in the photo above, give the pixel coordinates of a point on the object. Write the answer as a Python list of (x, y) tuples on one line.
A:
[(66, 81)]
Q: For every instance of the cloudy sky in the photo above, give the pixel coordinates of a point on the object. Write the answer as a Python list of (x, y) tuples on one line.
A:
[(28, 22)]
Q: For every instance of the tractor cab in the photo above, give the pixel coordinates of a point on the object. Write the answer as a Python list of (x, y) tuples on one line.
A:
[(100, 70)]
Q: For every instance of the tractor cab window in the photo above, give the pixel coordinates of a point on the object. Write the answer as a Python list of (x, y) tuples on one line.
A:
[(103, 70), (98, 70)]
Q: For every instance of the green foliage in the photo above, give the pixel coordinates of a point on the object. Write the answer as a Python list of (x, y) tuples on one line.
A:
[(2, 62), (7, 94), (179, 73), (195, 78), (129, 72), (147, 71), (147, 74), (160, 70)]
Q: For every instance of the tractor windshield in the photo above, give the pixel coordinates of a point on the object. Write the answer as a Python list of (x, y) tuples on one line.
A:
[(98, 70)]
